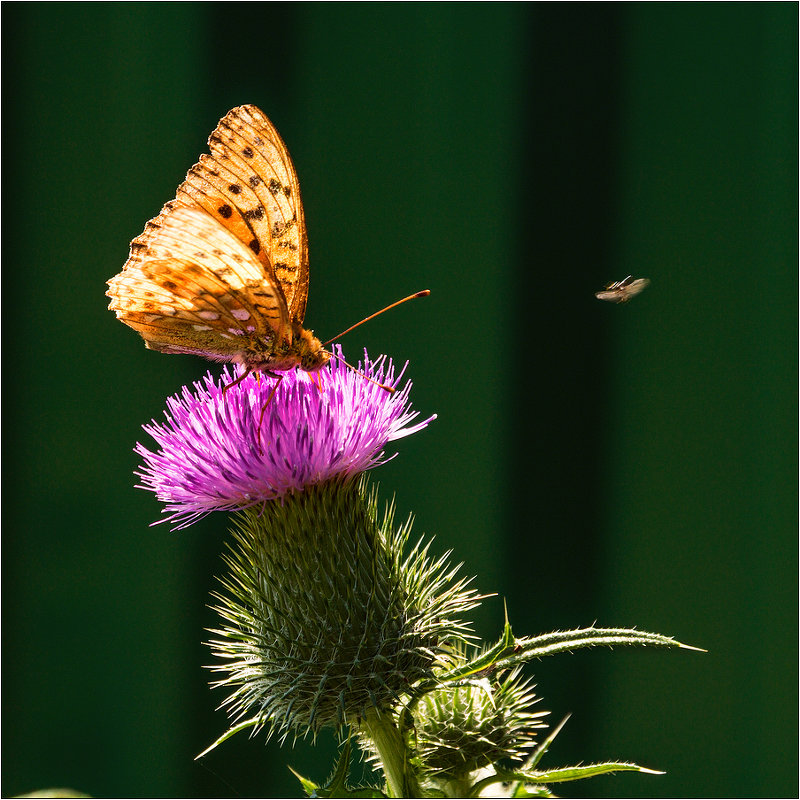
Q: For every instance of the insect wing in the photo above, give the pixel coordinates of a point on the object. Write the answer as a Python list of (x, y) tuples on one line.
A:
[(249, 184), (195, 288), (624, 290)]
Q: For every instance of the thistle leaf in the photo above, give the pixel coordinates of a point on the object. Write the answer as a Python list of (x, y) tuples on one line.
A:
[(309, 787), (249, 723), (510, 652), (542, 779)]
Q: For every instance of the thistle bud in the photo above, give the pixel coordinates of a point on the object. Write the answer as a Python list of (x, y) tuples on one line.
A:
[(324, 618), (465, 727)]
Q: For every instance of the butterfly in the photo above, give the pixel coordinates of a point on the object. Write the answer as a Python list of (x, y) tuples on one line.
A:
[(622, 291), (222, 271)]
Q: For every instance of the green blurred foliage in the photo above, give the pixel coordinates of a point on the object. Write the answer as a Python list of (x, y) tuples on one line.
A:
[(634, 465)]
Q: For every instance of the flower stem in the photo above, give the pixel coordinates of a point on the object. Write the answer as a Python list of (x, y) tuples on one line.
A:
[(392, 752)]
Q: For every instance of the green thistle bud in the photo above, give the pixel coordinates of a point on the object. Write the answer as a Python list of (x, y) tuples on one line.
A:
[(467, 726), (325, 619)]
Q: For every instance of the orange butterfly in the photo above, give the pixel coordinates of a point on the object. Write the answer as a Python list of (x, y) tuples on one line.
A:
[(222, 271)]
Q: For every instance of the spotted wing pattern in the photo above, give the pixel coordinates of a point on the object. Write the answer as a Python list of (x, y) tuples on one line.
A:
[(249, 184), (194, 287)]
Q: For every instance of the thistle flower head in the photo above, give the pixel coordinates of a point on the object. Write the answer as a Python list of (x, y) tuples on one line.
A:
[(214, 455), (465, 727)]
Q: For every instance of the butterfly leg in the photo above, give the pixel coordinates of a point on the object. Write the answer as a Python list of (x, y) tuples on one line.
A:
[(279, 378), (238, 380)]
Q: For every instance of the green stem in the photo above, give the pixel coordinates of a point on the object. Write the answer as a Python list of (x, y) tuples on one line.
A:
[(458, 787), (393, 754)]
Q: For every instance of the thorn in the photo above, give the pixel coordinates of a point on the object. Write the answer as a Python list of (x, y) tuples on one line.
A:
[(690, 647)]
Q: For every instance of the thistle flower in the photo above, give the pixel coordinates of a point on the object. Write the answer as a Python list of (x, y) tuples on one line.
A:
[(326, 619), (213, 455)]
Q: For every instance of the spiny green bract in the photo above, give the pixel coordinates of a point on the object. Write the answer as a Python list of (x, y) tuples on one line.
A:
[(476, 723), (324, 617)]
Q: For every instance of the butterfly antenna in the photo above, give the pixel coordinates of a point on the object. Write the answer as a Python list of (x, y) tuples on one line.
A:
[(423, 293), (389, 389)]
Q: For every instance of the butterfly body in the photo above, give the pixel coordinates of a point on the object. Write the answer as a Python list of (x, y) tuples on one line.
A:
[(222, 271)]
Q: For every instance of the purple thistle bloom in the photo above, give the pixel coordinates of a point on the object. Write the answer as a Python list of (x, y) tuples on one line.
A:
[(212, 456)]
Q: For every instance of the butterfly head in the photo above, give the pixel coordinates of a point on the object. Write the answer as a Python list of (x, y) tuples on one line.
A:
[(310, 351)]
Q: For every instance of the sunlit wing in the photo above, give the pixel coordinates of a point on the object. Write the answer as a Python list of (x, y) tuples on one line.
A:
[(195, 288), (250, 186)]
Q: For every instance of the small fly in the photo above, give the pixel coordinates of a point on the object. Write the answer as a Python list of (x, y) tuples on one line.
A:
[(622, 291)]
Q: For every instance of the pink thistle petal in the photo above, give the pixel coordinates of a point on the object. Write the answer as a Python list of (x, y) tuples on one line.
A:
[(212, 457)]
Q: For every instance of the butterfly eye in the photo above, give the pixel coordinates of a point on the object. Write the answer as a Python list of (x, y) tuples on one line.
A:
[(311, 362)]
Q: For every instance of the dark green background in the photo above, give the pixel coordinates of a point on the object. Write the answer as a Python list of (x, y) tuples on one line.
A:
[(631, 465)]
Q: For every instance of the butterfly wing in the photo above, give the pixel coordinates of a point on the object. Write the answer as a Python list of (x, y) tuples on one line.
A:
[(194, 287), (249, 184)]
